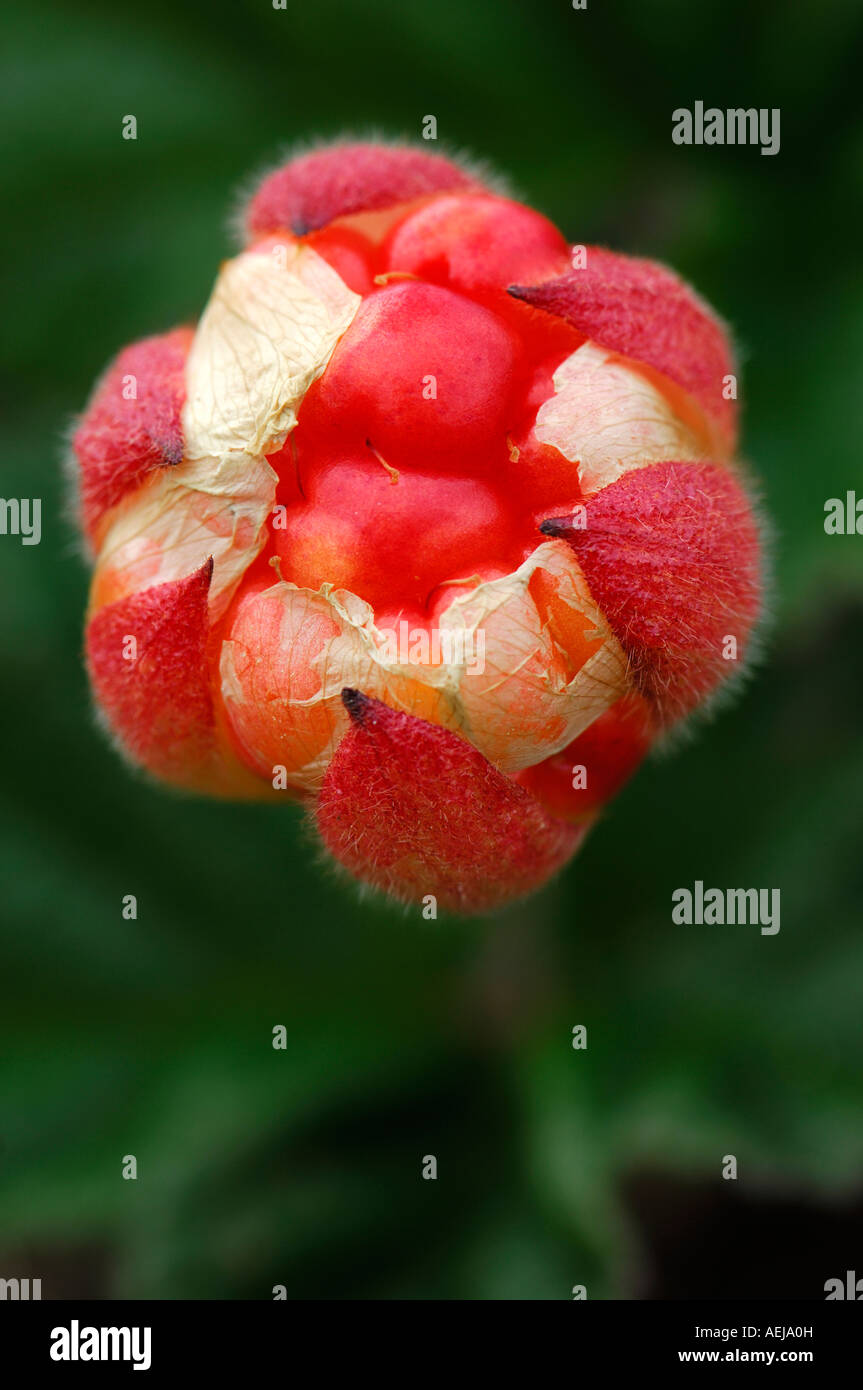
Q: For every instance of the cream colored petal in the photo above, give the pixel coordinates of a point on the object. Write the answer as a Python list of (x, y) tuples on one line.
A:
[(547, 674), (183, 515), (269, 658), (609, 419), (268, 331), (544, 677)]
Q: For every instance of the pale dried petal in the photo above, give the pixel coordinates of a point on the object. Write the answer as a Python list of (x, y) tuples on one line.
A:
[(532, 665), (184, 515), (608, 418), (285, 664), (268, 331), (552, 665)]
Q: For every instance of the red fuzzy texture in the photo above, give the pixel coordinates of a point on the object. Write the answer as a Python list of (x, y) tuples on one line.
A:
[(160, 703), (671, 555), (415, 810), (644, 311), (314, 188), (118, 440)]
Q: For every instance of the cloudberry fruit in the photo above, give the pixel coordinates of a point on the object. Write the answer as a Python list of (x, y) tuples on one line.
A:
[(429, 524)]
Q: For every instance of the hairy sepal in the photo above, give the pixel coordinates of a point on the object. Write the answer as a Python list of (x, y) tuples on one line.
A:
[(416, 811)]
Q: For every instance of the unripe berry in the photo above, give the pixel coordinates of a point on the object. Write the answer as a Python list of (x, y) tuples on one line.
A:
[(427, 525)]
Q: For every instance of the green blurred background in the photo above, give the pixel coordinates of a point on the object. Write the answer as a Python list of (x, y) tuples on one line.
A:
[(259, 1167)]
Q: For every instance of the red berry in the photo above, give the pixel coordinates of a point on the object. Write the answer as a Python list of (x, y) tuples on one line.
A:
[(475, 242), (586, 774), (418, 526), (424, 375), (390, 537)]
